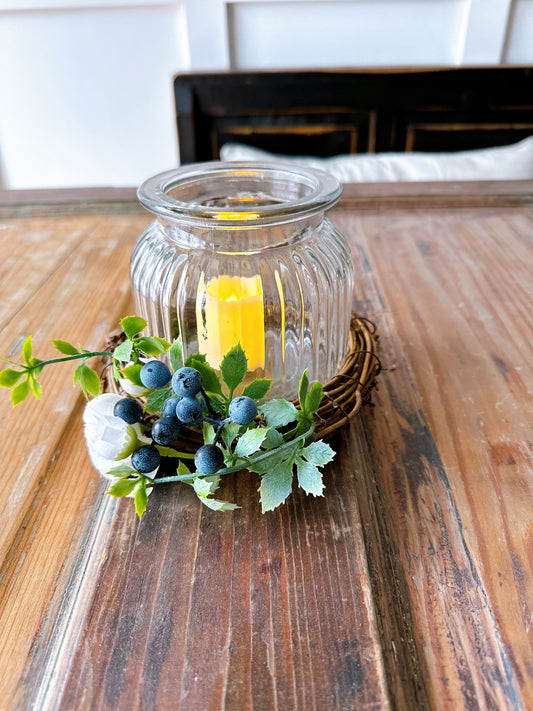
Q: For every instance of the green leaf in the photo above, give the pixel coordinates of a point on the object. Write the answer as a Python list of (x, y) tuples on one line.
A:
[(250, 441), (9, 376), (36, 387), (273, 439), (278, 413), (303, 388), (122, 470), (274, 459), (132, 325), (132, 373), (123, 352), (318, 453), (309, 478), (20, 392), (176, 354), (312, 401), (233, 367), (217, 505), (122, 487), (229, 432), (275, 487), (258, 388), (167, 451), (88, 380), (206, 485), (195, 356), (210, 381), (209, 433), (156, 399), (27, 350), (151, 345), (64, 347), (141, 499), (183, 469)]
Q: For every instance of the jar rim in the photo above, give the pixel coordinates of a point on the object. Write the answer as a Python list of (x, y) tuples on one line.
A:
[(322, 192)]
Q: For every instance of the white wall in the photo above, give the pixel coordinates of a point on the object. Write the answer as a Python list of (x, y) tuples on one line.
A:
[(86, 85)]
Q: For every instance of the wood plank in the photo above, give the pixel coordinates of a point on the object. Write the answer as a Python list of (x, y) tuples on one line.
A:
[(451, 436)]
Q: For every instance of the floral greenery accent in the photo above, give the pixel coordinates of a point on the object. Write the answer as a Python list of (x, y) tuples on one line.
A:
[(276, 444)]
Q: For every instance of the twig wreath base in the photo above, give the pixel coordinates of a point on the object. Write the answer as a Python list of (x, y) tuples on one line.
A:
[(344, 395)]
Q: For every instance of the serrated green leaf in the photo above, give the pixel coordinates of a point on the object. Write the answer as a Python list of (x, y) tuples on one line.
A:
[(273, 439), (209, 433), (10, 376), (122, 487), (64, 347), (210, 381), (20, 392), (258, 388), (88, 380), (250, 441), (217, 505), (234, 367), (312, 401), (122, 353), (132, 325), (141, 499), (206, 485), (151, 345), (157, 398), (133, 374), (303, 388), (121, 471), (176, 354), (36, 388), (276, 486), (318, 453), (269, 462), (229, 432), (309, 478), (195, 356), (278, 413), (27, 350)]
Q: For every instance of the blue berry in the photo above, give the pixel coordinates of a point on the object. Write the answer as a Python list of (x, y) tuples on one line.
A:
[(129, 410), (169, 408), (188, 410), (242, 410), (187, 382), (154, 374), (145, 459), (209, 459), (165, 430)]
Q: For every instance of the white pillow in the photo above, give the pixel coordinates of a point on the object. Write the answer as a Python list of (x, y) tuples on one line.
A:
[(513, 162)]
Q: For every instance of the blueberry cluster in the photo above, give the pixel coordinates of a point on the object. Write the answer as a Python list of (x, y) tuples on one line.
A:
[(188, 406)]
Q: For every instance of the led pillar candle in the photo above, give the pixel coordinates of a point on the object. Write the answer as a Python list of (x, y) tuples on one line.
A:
[(230, 310)]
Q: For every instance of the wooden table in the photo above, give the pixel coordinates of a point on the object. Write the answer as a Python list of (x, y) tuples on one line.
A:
[(409, 586)]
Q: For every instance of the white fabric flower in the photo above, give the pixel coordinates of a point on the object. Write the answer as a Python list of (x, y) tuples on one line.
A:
[(109, 439)]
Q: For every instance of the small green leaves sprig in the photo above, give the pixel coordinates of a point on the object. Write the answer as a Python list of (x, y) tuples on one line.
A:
[(274, 439)]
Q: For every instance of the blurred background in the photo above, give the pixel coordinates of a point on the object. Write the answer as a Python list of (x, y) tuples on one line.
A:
[(86, 94)]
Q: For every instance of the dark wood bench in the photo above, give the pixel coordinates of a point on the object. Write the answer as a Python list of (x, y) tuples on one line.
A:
[(325, 113)]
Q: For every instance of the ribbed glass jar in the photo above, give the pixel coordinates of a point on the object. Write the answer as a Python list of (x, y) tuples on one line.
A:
[(244, 253)]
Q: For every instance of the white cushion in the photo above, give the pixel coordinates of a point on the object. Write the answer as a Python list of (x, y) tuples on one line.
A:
[(513, 162)]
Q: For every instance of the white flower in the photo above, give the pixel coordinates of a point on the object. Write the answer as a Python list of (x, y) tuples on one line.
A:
[(109, 439), (132, 389)]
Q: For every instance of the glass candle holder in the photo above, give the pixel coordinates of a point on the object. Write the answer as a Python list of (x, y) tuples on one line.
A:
[(243, 253)]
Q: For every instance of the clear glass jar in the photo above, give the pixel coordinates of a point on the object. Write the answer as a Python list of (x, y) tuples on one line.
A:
[(243, 252)]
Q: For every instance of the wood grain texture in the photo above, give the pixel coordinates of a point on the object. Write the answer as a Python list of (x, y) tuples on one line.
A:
[(409, 586)]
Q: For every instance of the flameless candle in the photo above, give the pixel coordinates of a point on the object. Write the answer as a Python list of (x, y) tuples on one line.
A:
[(230, 310)]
